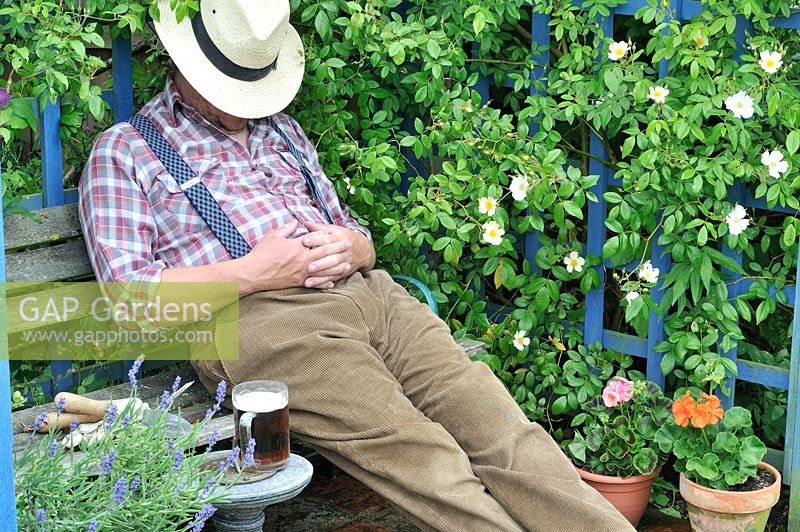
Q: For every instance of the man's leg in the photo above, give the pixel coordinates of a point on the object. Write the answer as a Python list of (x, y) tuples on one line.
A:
[(516, 459), (345, 402)]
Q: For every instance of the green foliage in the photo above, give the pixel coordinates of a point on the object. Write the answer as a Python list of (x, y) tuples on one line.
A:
[(619, 440), (717, 454), (390, 100)]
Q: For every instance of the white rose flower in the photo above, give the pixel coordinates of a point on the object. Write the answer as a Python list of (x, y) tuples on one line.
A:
[(519, 187), (487, 205), (617, 50), (630, 296), (493, 233), (699, 39), (574, 262), (770, 61), (737, 220), (740, 104), (648, 274), (658, 94), (774, 161), (520, 340)]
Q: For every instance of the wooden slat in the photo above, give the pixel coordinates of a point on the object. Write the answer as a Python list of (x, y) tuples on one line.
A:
[(58, 224), (63, 262)]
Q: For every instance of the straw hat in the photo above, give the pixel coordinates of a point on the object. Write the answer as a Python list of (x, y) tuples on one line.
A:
[(243, 56)]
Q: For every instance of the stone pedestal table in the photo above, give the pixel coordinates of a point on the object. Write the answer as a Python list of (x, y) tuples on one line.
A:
[(243, 507)]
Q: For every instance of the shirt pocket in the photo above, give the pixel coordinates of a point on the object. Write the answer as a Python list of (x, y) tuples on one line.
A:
[(173, 210)]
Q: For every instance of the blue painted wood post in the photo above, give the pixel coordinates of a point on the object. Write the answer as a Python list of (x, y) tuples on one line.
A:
[(8, 509), (540, 35), (122, 101), (122, 78), (52, 155), (655, 321), (791, 458), (593, 321), (736, 194)]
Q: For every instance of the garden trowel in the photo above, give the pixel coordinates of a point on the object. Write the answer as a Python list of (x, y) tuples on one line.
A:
[(90, 413)]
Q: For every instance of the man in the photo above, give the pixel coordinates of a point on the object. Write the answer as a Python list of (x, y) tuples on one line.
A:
[(376, 382)]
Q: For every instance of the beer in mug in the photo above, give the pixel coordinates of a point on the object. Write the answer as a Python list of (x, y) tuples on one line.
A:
[(261, 412)]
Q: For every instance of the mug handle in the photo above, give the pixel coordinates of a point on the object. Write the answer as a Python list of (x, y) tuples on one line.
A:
[(245, 432)]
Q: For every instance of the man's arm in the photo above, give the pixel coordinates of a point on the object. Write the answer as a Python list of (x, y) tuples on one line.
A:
[(275, 262)]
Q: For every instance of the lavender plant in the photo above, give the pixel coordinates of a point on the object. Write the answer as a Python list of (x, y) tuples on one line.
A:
[(133, 478)]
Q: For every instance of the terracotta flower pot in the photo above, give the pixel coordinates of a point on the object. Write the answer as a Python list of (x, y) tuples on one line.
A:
[(628, 495), (713, 510)]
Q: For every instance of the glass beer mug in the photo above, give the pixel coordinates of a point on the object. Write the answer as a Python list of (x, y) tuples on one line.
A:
[(261, 412)]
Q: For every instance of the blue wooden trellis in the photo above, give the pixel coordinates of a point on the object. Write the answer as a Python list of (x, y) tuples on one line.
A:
[(121, 100), (787, 460)]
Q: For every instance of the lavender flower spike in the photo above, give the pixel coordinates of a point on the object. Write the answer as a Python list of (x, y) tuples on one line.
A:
[(201, 517), (207, 487), (248, 454), (212, 440), (119, 491), (61, 404), (51, 451), (111, 415), (177, 460), (126, 420), (230, 459), (221, 388), (92, 525), (137, 364), (107, 462), (73, 424), (137, 480), (176, 384), (165, 400), (40, 515), (39, 421)]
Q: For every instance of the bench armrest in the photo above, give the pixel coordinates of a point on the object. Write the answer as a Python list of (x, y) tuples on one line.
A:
[(423, 288)]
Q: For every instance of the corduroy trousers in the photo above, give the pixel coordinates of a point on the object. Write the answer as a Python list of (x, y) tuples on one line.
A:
[(380, 388)]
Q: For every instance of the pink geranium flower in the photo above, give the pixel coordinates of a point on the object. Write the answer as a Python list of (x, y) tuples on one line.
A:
[(610, 397), (623, 388)]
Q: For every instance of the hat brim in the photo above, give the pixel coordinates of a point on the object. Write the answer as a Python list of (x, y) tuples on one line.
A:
[(244, 99)]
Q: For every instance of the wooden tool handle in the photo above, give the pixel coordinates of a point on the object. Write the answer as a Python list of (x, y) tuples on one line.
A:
[(63, 421), (82, 405)]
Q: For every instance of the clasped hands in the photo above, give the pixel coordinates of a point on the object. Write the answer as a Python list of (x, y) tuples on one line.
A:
[(315, 260)]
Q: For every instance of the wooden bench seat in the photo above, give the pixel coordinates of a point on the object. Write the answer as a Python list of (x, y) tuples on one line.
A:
[(54, 250), (192, 404)]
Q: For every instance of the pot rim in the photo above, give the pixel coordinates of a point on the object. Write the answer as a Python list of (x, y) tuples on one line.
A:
[(761, 465), (608, 479), (767, 494)]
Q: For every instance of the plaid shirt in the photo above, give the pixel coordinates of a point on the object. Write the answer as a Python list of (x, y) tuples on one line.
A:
[(136, 219)]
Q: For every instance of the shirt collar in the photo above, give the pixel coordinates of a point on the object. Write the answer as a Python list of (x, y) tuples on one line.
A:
[(175, 103), (172, 97)]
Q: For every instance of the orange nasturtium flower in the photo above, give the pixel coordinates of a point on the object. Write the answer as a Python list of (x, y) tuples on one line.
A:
[(683, 409), (709, 411)]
